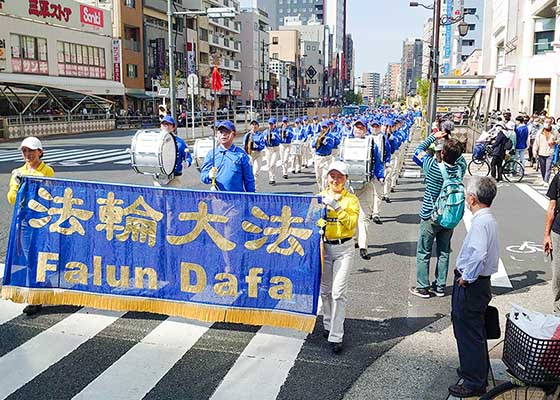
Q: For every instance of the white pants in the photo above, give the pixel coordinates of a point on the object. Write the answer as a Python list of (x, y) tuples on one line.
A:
[(377, 191), (335, 154), (321, 170), (334, 281), (256, 163), (365, 196), (388, 178), (285, 157), (297, 161), (305, 149), (176, 182), (271, 159)]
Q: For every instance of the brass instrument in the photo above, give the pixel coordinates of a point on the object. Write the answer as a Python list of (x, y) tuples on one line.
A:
[(249, 144), (283, 134), (320, 139), (269, 137)]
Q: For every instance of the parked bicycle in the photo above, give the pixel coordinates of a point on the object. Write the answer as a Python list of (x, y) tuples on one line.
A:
[(533, 366), (513, 171)]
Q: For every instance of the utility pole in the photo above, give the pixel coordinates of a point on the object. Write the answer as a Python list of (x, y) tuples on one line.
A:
[(435, 65), (171, 58)]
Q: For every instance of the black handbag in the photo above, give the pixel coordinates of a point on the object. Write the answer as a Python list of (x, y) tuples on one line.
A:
[(492, 323)]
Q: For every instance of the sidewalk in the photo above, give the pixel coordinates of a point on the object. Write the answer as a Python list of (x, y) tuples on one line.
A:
[(422, 366)]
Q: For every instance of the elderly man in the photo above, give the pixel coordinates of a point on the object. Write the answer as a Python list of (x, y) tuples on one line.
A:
[(228, 168), (476, 262)]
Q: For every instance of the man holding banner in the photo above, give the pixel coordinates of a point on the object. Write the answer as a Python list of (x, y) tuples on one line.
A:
[(229, 167), (343, 209)]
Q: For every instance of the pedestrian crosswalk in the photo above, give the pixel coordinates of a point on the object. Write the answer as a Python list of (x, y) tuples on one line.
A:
[(73, 156)]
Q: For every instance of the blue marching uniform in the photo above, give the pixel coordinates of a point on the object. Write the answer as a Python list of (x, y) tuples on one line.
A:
[(235, 173)]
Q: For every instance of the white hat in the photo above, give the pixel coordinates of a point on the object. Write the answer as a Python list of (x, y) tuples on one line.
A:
[(32, 143), (340, 166)]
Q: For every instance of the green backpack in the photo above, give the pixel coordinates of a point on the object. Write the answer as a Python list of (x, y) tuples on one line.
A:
[(449, 207)]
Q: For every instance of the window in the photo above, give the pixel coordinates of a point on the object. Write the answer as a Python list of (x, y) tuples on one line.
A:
[(469, 11), (80, 60), (500, 56), (275, 56), (274, 39), (130, 3), (29, 55), (203, 34), (472, 27), (468, 43), (544, 35), (132, 70)]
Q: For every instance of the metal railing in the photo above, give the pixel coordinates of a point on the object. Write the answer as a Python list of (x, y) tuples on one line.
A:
[(47, 118)]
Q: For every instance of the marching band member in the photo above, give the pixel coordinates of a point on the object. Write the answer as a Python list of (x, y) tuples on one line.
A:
[(347, 128), (272, 143), (229, 167), (342, 217), (379, 139), (322, 145), (32, 152), (254, 145), (389, 161), (286, 136), (367, 192), (300, 137), (306, 149), (396, 142), (337, 136), (183, 155)]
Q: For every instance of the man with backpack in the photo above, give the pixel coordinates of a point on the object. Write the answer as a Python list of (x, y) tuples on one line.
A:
[(500, 146), (442, 209)]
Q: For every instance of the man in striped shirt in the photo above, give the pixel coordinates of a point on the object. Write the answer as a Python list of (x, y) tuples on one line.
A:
[(455, 165)]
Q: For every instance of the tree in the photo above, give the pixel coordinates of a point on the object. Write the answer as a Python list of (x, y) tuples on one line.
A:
[(353, 98), (423, 90)]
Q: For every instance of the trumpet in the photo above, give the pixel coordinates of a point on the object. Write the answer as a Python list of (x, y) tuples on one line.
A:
[(320, 139), (249, 144)]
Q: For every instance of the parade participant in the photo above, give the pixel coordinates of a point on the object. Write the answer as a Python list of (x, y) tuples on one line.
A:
[(347, 129), (286, 137), (342, 217), (32, 152), (379, 140), (476, 262), (229, 167), (254, 145), (337, 136), (390, 169), (272, 143), (365, 194), (299, 142), (322, 145), (306, 150), (454, 165), (183, 155)]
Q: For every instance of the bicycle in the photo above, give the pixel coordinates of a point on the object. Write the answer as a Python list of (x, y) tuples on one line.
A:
[(512, 170), (533, 366)]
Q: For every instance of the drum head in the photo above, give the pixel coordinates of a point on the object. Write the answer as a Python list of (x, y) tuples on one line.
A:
[(168, 154)]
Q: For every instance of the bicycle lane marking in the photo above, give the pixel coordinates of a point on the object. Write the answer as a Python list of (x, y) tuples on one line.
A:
[(533, 194), (500, 278)]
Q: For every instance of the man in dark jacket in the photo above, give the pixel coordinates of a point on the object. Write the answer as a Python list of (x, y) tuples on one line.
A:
[(498, 154)]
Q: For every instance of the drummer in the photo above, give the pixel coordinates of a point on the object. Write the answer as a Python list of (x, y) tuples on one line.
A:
[(254, 146), (322, 145), (378, 187), (298, 147), (286, 136), (366, 193), (228, 168), (168, 125)]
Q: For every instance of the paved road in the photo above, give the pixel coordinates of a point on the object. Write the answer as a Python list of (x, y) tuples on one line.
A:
[(86, 354)]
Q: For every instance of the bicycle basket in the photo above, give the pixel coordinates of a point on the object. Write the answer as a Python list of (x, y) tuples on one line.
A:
[(479, 151), (533, 361)]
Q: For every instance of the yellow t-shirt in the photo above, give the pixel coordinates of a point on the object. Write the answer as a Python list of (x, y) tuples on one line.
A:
[(42, 170), (342, 224)]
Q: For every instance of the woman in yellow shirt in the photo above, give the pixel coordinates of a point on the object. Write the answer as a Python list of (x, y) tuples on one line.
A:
[(342, 218), (32, 151)]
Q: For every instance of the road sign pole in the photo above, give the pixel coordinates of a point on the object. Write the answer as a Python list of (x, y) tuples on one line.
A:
[(192, 111)]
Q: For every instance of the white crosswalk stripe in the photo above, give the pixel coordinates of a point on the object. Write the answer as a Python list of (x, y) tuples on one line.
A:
[(74, 155)]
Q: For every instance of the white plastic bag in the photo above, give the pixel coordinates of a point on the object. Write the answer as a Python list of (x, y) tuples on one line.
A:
[(535, 324)]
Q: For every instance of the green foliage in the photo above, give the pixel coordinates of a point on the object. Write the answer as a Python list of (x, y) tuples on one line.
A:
[(423, 89), (353, 98)]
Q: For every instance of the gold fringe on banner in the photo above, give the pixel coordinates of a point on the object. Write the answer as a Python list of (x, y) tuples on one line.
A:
[(200, 312)]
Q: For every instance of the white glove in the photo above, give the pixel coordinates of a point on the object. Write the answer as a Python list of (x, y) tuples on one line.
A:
[(329, 201), (381, 180), (387, 164), (17, 176), (213, 172)]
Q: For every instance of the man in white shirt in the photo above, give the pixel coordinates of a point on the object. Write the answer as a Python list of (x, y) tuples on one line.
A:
[(476, 262)]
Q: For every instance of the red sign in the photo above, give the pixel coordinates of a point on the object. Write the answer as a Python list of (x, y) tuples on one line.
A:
[(91, 16)]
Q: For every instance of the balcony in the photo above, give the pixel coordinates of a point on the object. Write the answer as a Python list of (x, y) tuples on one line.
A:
[(224, 24), (224, 43), (231, 65), (132, 45)]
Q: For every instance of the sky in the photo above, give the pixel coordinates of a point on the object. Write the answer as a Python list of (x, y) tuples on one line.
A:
[(379, 27)]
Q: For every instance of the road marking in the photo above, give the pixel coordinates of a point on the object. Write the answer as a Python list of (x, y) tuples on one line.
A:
[(79, 155), (143, 366), (24, 363), (500, 278), (61, 156), (533, 194), (262, 368), (17, 156), (104, 160)]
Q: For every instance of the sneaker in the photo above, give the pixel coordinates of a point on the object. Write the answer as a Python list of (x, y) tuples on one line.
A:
[(285, 176), (272, 183), (439, 292), (377, 220), (337, 347), (424, 293), (32, 309), (364, 254)]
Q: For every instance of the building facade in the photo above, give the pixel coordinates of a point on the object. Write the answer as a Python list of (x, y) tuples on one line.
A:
[(393, 81), (285, 47), (521, 48), (411, 66), (427, 37), (350, 63), (280, 9), (371, 87), (474, 16)]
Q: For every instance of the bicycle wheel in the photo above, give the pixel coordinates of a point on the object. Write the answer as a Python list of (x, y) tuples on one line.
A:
[(513, 171), (510, 391), (478, 168)]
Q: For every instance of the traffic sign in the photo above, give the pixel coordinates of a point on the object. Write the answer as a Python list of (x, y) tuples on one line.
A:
[(163, 92), (311, 72), (192, 80)]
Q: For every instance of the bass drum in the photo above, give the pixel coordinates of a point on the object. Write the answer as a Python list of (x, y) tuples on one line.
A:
[(201, 148), (357, 153), (153, 152)]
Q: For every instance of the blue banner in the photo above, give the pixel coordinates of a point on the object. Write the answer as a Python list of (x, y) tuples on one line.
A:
[(212, 256)]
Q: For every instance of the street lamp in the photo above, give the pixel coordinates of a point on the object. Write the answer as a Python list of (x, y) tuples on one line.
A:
[(439, 20), (215, 12)]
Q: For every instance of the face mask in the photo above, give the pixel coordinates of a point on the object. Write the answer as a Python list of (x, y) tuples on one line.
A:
[(547, 126)]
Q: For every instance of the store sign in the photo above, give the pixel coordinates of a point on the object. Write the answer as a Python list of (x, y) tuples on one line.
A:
[(191, 58), (116, 51), (66, 13), (91, 16)]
